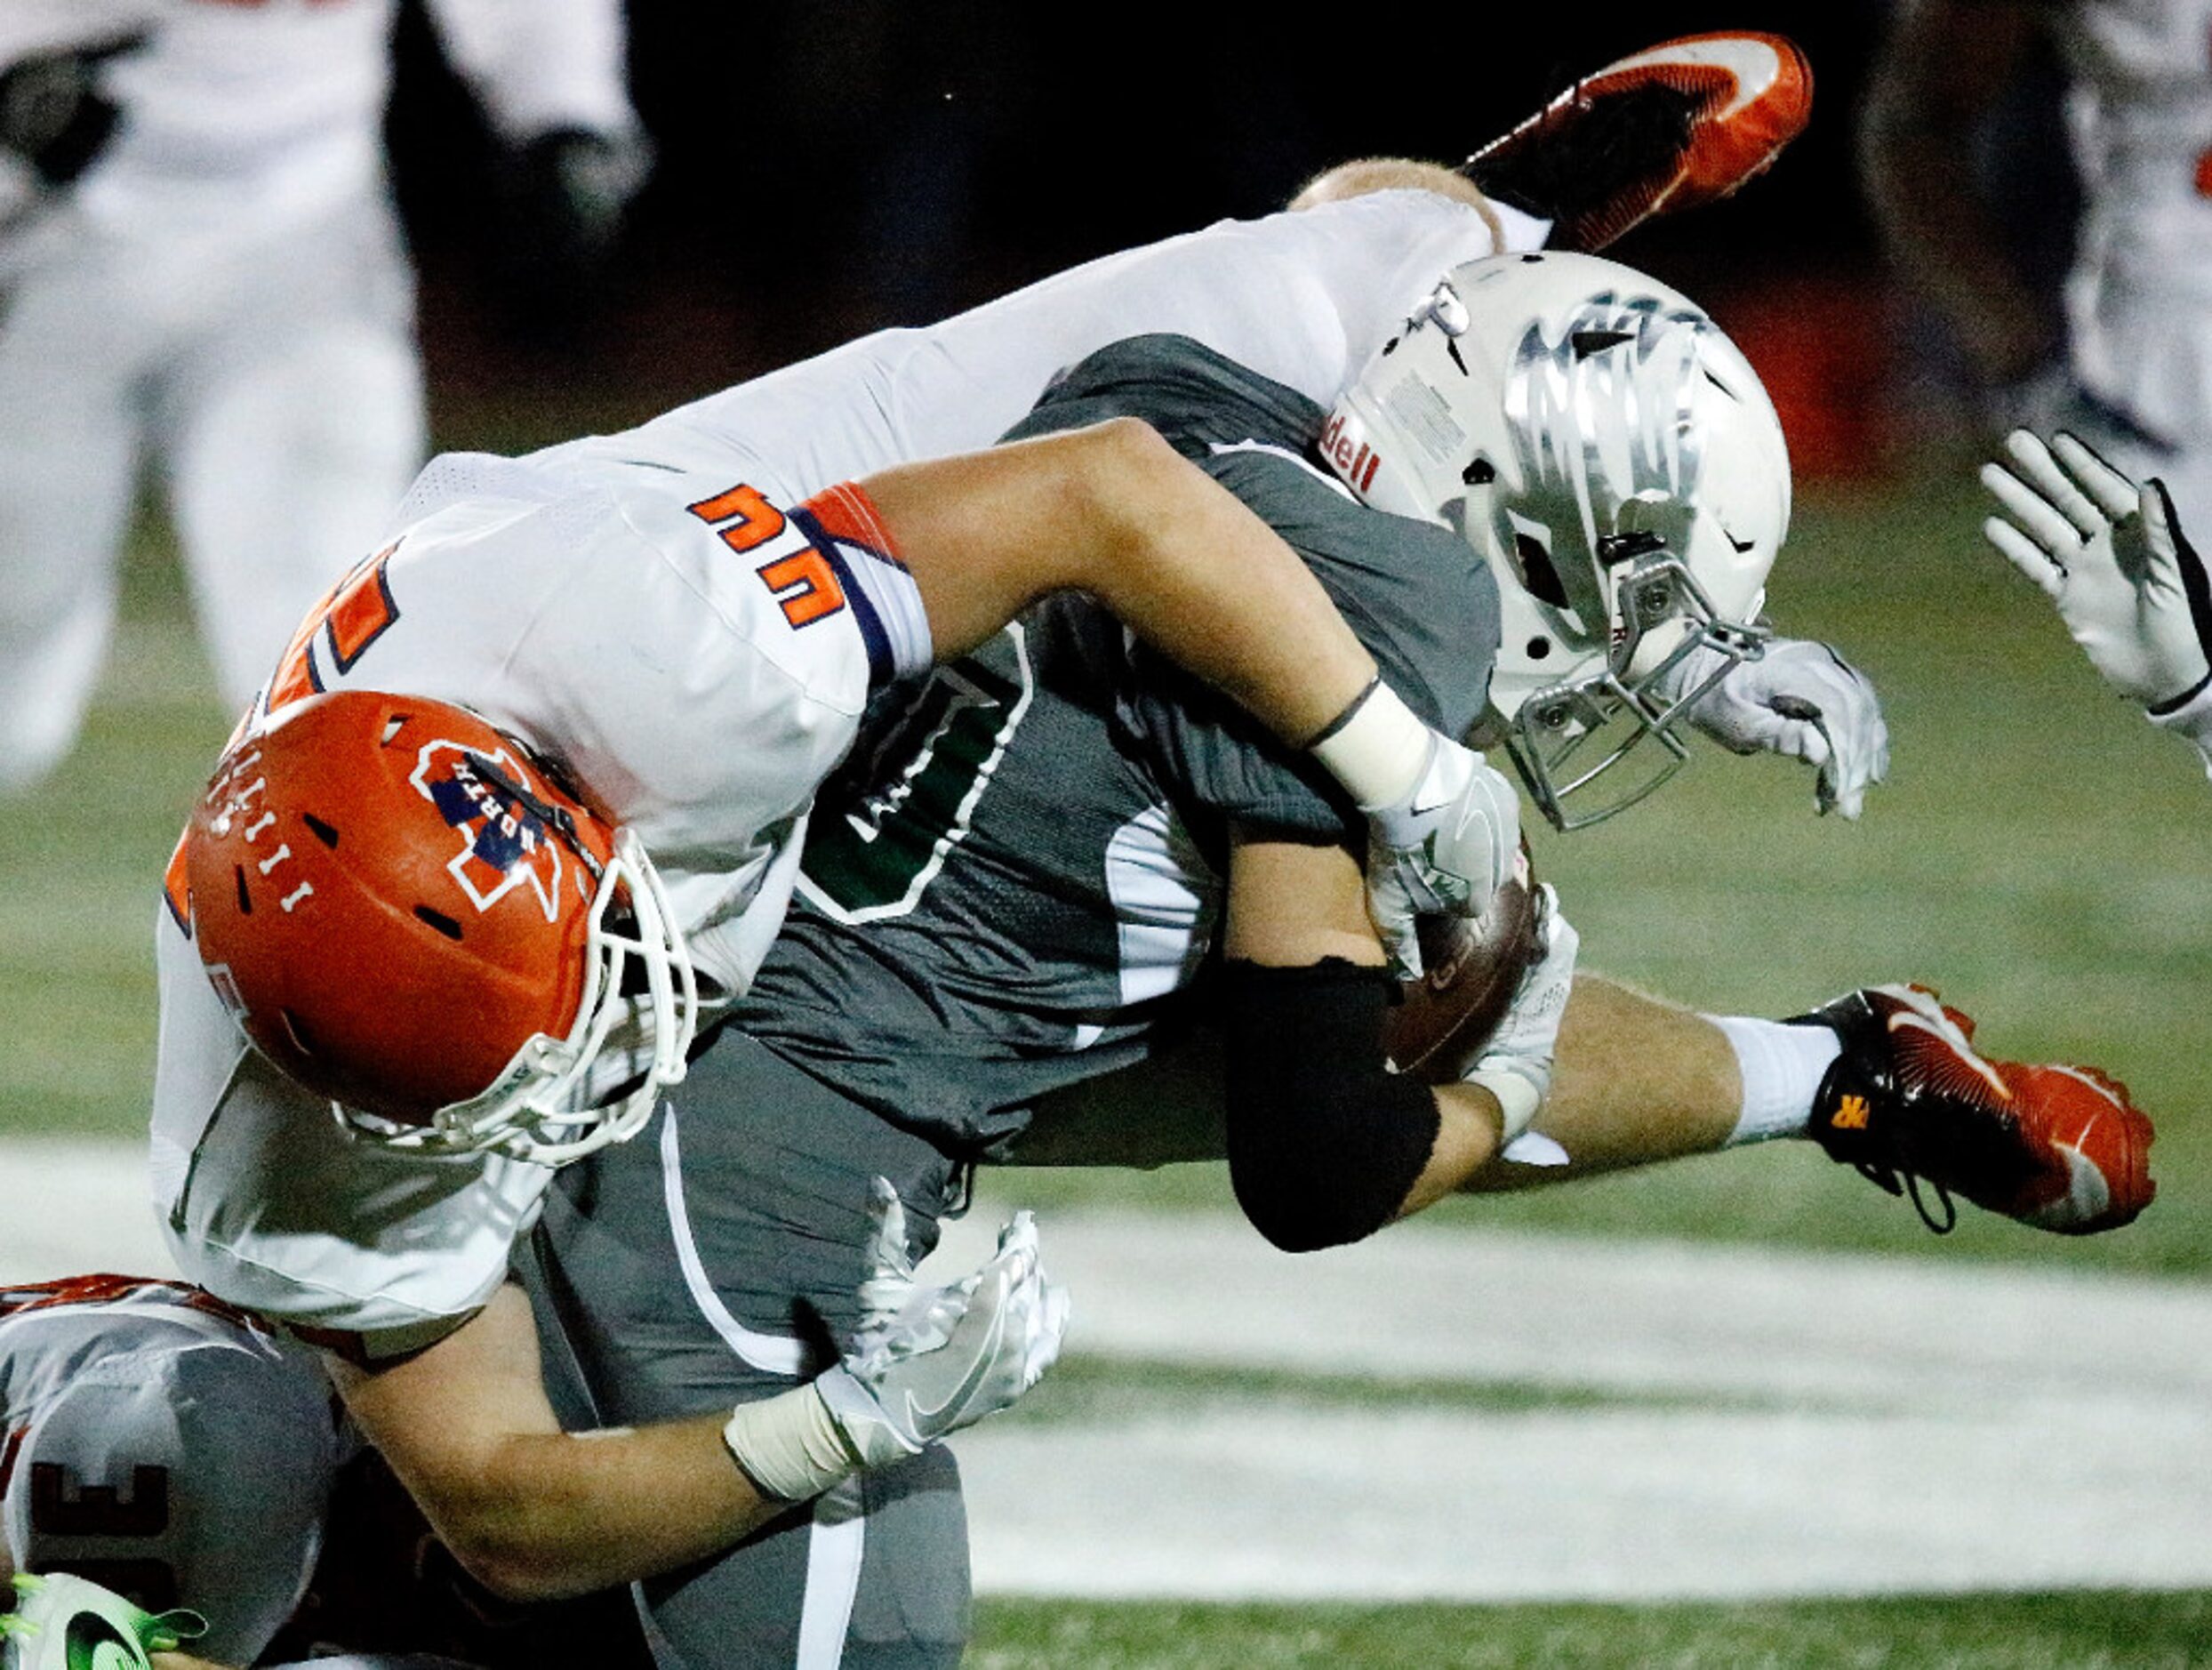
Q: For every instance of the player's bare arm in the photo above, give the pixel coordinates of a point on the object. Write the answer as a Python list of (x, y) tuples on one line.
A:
[(1115, 512), (1945, 68), (535, 1513), (532, 1511)]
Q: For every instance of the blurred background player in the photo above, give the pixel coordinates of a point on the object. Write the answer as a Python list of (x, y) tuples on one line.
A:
[(204, 276), (2111, 555), (2127, 362)]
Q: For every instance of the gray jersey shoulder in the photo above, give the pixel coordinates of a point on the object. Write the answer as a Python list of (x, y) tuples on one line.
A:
[(1019, 873)]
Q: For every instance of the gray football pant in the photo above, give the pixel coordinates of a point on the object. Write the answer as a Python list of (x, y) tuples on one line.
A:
[(713, 1260)]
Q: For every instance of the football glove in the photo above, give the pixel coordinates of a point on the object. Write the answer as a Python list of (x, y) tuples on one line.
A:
[(1908, 1099), (1515, 1065), (2131, 588), (1443, 825), (925, 1362), (64, 1622), (52, 114), (1799, 699), (1442, 849)]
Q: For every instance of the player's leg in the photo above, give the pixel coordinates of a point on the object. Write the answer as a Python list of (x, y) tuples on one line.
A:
[(295, 425), (1638, 1080), (69, 439), (1886, 1078), (716, 1259)]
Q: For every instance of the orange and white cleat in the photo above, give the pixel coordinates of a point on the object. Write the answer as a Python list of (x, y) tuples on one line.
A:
[(1910, 1100), (1682, 124)]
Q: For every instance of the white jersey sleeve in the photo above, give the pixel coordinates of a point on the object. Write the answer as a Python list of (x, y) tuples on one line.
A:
[(540, 64), (697, 654), (1303, 298), (30, 29), (161, 1443), (267, 1204)]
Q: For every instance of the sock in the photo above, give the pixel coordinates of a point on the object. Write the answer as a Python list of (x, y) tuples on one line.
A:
[(1782, 1067)]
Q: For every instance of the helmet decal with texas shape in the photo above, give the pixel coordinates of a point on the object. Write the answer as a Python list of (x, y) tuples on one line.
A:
[(508, 835), (412, 916)]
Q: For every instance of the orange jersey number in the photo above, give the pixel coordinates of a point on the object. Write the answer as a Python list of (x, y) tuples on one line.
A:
[(802, 583), (352, 617)]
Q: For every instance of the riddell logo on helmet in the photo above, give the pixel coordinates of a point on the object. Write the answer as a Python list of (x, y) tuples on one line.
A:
[(505, 843), (1345, 447)]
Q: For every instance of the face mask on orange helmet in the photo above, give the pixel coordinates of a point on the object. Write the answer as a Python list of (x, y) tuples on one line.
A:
[(409, 917), (1617, 464)]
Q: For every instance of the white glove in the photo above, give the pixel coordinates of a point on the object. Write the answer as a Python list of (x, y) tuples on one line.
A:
[(1516, 1065), (2132, 591), (1443, 848), (1801, 699), (925, 1362), (1443, 825)]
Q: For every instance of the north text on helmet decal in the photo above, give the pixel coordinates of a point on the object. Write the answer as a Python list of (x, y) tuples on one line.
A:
[(505, 844)]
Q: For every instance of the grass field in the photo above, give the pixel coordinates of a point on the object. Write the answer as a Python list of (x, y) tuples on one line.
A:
[(2039, 854), (1989, 1632)]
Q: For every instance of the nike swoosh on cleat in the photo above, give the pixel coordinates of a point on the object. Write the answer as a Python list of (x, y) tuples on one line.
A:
[(2088, 1195)]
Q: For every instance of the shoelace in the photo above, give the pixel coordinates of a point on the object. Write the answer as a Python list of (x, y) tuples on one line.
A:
[(1887, 1179)]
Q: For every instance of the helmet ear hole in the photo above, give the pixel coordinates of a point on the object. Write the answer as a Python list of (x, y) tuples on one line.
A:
[(439, 922), (1538, 649), (1537, 575)]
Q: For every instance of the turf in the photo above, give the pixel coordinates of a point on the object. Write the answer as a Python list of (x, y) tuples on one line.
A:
[(2088, 1631)]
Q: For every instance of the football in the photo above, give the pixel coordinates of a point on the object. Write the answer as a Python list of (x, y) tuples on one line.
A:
[(1470, 970)]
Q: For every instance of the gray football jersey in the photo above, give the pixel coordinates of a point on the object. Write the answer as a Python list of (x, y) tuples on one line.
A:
[(1020, 872)]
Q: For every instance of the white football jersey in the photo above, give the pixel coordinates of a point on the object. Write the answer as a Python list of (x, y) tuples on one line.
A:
[(158, 1442), (617, 602), (2140, 298), (699, 673)]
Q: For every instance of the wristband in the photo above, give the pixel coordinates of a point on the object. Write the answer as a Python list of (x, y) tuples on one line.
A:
[(1517, 1100), (789, 1446), (1377, 748)]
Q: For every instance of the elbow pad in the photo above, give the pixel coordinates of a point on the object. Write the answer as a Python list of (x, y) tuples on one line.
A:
[(1324, 1139)]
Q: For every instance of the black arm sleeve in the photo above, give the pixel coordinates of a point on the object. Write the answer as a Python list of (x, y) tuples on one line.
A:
[(1323, 1140)]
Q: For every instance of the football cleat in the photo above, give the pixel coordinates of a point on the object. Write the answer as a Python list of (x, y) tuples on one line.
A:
[(1682, 124), (63, 1622), (1911, 1100)]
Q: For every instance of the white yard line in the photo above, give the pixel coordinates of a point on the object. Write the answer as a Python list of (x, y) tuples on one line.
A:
[(1820, 1424), (68, 1207), (1917, 1425)]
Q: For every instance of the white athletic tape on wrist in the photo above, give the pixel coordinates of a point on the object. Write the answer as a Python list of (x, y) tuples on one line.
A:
[(1517, 1100), (790, 1446), (1378, 750)]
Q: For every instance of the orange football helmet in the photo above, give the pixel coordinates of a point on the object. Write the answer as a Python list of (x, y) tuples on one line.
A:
[(410, 916)]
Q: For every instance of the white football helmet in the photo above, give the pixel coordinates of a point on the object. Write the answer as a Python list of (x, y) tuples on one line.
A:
[(1617, 464)]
